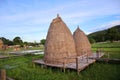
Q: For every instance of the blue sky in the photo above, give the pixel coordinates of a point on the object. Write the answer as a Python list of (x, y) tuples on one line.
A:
[(30, 19)]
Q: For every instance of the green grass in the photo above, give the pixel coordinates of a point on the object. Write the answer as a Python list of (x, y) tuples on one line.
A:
[(108, 49), (111, 47), (106, 45), (21, 68)]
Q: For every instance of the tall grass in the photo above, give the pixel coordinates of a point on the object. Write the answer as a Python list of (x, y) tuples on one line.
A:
[(21, 68), (106, 45)]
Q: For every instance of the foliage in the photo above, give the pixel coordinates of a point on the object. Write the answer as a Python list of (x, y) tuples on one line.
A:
[(18, 41), (43, 41), (91, 40), (111, 34), (6, 41)]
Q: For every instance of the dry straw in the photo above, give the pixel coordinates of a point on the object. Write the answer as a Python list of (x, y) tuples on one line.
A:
[(59, 43), (82, 43)]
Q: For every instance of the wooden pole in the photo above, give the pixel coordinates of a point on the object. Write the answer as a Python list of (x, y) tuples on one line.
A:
[(33, 64), (87, 58), (108, 55), (64, 67), (77, 65), (97, 54), (3, 74)]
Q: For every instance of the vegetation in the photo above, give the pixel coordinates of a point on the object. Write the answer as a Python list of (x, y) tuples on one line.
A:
[(22, 68), (106, 45), (18, 41), (111, 34), (43, 41), (6, 41)]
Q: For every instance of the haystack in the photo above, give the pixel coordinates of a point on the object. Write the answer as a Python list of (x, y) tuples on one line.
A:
[(1, 44), (59, 43), (82, 43)]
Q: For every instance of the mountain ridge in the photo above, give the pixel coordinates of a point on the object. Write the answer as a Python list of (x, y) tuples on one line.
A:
[(106, 35)]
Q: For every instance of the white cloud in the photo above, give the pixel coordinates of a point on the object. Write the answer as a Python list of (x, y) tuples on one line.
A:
[(26, 20), (105, 26)]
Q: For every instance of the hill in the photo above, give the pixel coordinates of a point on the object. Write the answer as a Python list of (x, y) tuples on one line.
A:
[(111, 34)]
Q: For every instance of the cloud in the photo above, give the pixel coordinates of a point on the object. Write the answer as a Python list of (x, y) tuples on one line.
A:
[(79, 11), (31, 17), (105, 26)]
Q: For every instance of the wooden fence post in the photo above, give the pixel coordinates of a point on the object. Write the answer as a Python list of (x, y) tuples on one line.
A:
[(3, 74), (77, 65), (64, 67), (87, 58), (33, 64), (108, 55), (97, 54)]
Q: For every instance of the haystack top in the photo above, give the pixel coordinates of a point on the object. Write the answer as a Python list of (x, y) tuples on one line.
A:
[(57, 19), (57, 15), (78, 30)]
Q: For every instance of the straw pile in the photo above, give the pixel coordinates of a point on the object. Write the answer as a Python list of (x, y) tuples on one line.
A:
[(82, 43), (59, 43)]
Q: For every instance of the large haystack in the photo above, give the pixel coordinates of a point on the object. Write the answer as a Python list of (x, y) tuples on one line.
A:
[(59, 43), (82, 43), (1, 44)]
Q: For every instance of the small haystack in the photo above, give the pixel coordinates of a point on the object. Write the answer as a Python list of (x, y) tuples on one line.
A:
[(82, 43), (1, 44), (59, 43)]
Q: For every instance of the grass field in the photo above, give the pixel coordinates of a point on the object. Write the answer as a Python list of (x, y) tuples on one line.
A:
[(106, 45), (21, 68)]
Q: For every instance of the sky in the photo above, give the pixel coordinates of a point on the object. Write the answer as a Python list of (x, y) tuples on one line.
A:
[(30, 19)]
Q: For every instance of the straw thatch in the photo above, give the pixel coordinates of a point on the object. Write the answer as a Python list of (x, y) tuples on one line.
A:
[(82, 43), (59, 43), (1, 44)]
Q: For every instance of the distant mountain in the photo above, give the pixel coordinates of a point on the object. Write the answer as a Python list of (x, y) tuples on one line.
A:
[(110, 34)]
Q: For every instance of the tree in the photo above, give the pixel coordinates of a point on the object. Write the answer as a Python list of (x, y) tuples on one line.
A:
[(25, 43), (112, 34), (43, 41), (6, 41), (91, 40), (18, 41)]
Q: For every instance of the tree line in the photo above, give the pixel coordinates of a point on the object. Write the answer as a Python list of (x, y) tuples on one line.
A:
[(111, 34), (18, 41)]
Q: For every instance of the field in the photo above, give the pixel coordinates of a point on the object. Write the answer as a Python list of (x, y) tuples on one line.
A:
[(22, 68)]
